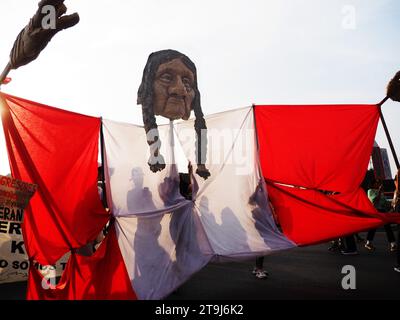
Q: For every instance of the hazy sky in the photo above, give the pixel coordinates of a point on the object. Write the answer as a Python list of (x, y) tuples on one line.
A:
[(254, 51)]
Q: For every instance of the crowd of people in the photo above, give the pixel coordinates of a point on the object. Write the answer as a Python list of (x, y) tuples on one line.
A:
[(376, 194)]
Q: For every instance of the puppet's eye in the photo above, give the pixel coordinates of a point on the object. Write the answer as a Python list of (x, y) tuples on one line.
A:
[(166, 77), (187, 83)]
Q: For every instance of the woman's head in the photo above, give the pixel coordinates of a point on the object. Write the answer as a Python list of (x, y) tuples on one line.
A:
[(169, 85), (169, 88)]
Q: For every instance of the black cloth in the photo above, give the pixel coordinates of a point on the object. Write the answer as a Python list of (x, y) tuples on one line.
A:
[(259, 262), (350, 243)]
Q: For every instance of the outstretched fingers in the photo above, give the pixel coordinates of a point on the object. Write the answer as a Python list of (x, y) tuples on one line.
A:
[(68, 21), (60, 10), (62, 21), (55, 3)]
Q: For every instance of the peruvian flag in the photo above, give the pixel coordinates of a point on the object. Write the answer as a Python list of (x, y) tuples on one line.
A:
[(58, 150), (314, 159), (307, 161)]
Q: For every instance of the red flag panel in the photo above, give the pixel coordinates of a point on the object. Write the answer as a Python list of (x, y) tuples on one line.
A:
[(58, 151), (102, 276), (320, 150), (318, 147), (308, 216)]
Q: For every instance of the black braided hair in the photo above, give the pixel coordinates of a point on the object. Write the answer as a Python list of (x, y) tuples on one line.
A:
[(145, 98)]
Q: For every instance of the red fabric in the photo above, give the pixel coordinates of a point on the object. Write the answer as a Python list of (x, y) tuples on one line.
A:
[(308, 216), (102, 276), (58, 151), (319, 148)]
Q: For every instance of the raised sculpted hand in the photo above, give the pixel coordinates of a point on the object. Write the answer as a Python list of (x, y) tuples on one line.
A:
[(49, 19), (393, 88)]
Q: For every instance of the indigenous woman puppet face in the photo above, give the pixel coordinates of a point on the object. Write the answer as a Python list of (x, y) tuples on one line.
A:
[(169, 88), (173, 90)]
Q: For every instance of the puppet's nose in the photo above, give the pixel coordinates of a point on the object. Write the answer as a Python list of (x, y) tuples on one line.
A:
[(177, 88)]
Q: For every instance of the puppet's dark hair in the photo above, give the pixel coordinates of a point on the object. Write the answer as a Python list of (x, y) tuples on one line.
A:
[(145, 98)]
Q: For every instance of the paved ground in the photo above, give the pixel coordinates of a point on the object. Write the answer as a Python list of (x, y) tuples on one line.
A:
[(301, 273)]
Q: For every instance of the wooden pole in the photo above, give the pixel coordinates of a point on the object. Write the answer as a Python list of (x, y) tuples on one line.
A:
[(396, 160), (103, 165), (5, 73)]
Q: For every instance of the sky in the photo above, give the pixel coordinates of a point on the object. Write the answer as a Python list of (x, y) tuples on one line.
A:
[(253, 51)]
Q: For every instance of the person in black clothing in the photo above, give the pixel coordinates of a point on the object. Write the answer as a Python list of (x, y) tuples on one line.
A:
[(259, 270), (256, 200), (377, 197), (396, 208), (350, 247)]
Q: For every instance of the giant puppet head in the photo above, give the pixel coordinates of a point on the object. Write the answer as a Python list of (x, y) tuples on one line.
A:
[(169, 89)]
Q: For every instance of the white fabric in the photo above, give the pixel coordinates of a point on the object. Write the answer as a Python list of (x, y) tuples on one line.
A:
[(165, 238), (234, 227), (160, 238), (162, 252), (135, 190)]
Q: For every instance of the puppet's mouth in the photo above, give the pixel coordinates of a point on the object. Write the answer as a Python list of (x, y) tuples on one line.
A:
[(176, 99), (175, 109)]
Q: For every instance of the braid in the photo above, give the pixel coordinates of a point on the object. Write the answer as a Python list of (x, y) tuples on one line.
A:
[(156, 160), (145, 98), (201, 138)]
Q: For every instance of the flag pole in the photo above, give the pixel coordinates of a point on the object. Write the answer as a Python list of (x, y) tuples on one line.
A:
[(5, 73), (389, 138), (103, 164)]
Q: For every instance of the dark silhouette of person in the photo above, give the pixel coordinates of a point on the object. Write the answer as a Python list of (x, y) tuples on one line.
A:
[(260, 201), (139, 198), (230, 224), (148, 252), (169, 189), (208, 216)]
